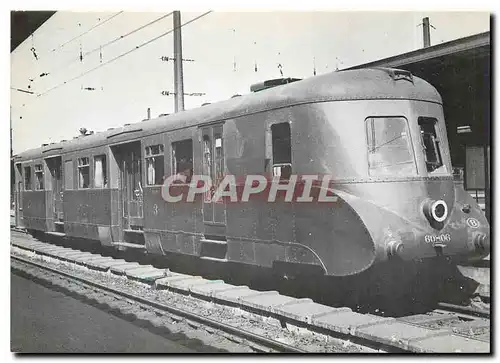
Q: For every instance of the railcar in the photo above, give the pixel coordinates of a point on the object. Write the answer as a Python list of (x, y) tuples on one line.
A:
[(379, 133)]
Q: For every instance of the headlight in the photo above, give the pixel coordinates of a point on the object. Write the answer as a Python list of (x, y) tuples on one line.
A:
[(439, 210), (435, 211)]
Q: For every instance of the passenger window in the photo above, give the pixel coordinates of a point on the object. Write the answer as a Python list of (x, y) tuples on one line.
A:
[(389, 147), (38, 177), (83, 173), (219, 159), (207, 155), (430, 143), (27, 178), (100, 176), (68, 175), (182, 157), (154, 165), (282, 150)]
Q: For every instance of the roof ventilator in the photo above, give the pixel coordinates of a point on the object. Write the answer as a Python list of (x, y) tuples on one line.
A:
[(398, 74), (272, 83)]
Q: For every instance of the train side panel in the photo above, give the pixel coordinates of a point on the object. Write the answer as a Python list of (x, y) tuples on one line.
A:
[(34, 196), (260, 232), (171, 227), (89, 212)]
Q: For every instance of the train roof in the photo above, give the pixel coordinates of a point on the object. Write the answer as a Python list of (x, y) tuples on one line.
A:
[(361, 84)]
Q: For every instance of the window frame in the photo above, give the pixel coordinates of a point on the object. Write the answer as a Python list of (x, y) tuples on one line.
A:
[(149, 155), (36, 172), (80, 166), (436, 143), (411, 147), (278, 168), (174, 153), (29, 174), (218, 157), (105, 180)]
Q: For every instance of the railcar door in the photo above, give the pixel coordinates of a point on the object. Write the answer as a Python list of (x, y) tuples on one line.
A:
[(54, 164), (214, 212), (19, 205), (19, 197), (131, 192)]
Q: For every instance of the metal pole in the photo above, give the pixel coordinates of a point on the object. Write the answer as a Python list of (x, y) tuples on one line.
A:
[(178, 80), (427, 32)]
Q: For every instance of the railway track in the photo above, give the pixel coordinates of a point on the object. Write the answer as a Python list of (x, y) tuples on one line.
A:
[(148, 310), (267, 321), (466, 310)]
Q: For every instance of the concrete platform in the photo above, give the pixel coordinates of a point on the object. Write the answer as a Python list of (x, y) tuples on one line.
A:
[(109, 262), (148, 276), (26, 248), (145, 273), (69, 255), (348, 322), (234, 295), (63, 250), (396, 333), (122, 268), (25, 244), (48, 250), (208, 290), (450, 344), (48, 247), (97, 263), (84, 257), (165, 283), (265, 301), (187, 284), (305, 310)]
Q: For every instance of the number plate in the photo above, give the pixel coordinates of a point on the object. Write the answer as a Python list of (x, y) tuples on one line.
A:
[(441, 239)]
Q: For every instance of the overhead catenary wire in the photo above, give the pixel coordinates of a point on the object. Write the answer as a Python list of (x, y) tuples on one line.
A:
[(21, 90), (75, 38), (101, 47), (88, 31), (122, 55)]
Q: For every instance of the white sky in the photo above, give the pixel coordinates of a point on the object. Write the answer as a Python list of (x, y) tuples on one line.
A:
[(133, 83)]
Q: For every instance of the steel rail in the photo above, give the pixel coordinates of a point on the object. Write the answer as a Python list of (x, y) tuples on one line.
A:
[(241, 333), (466, 310)]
